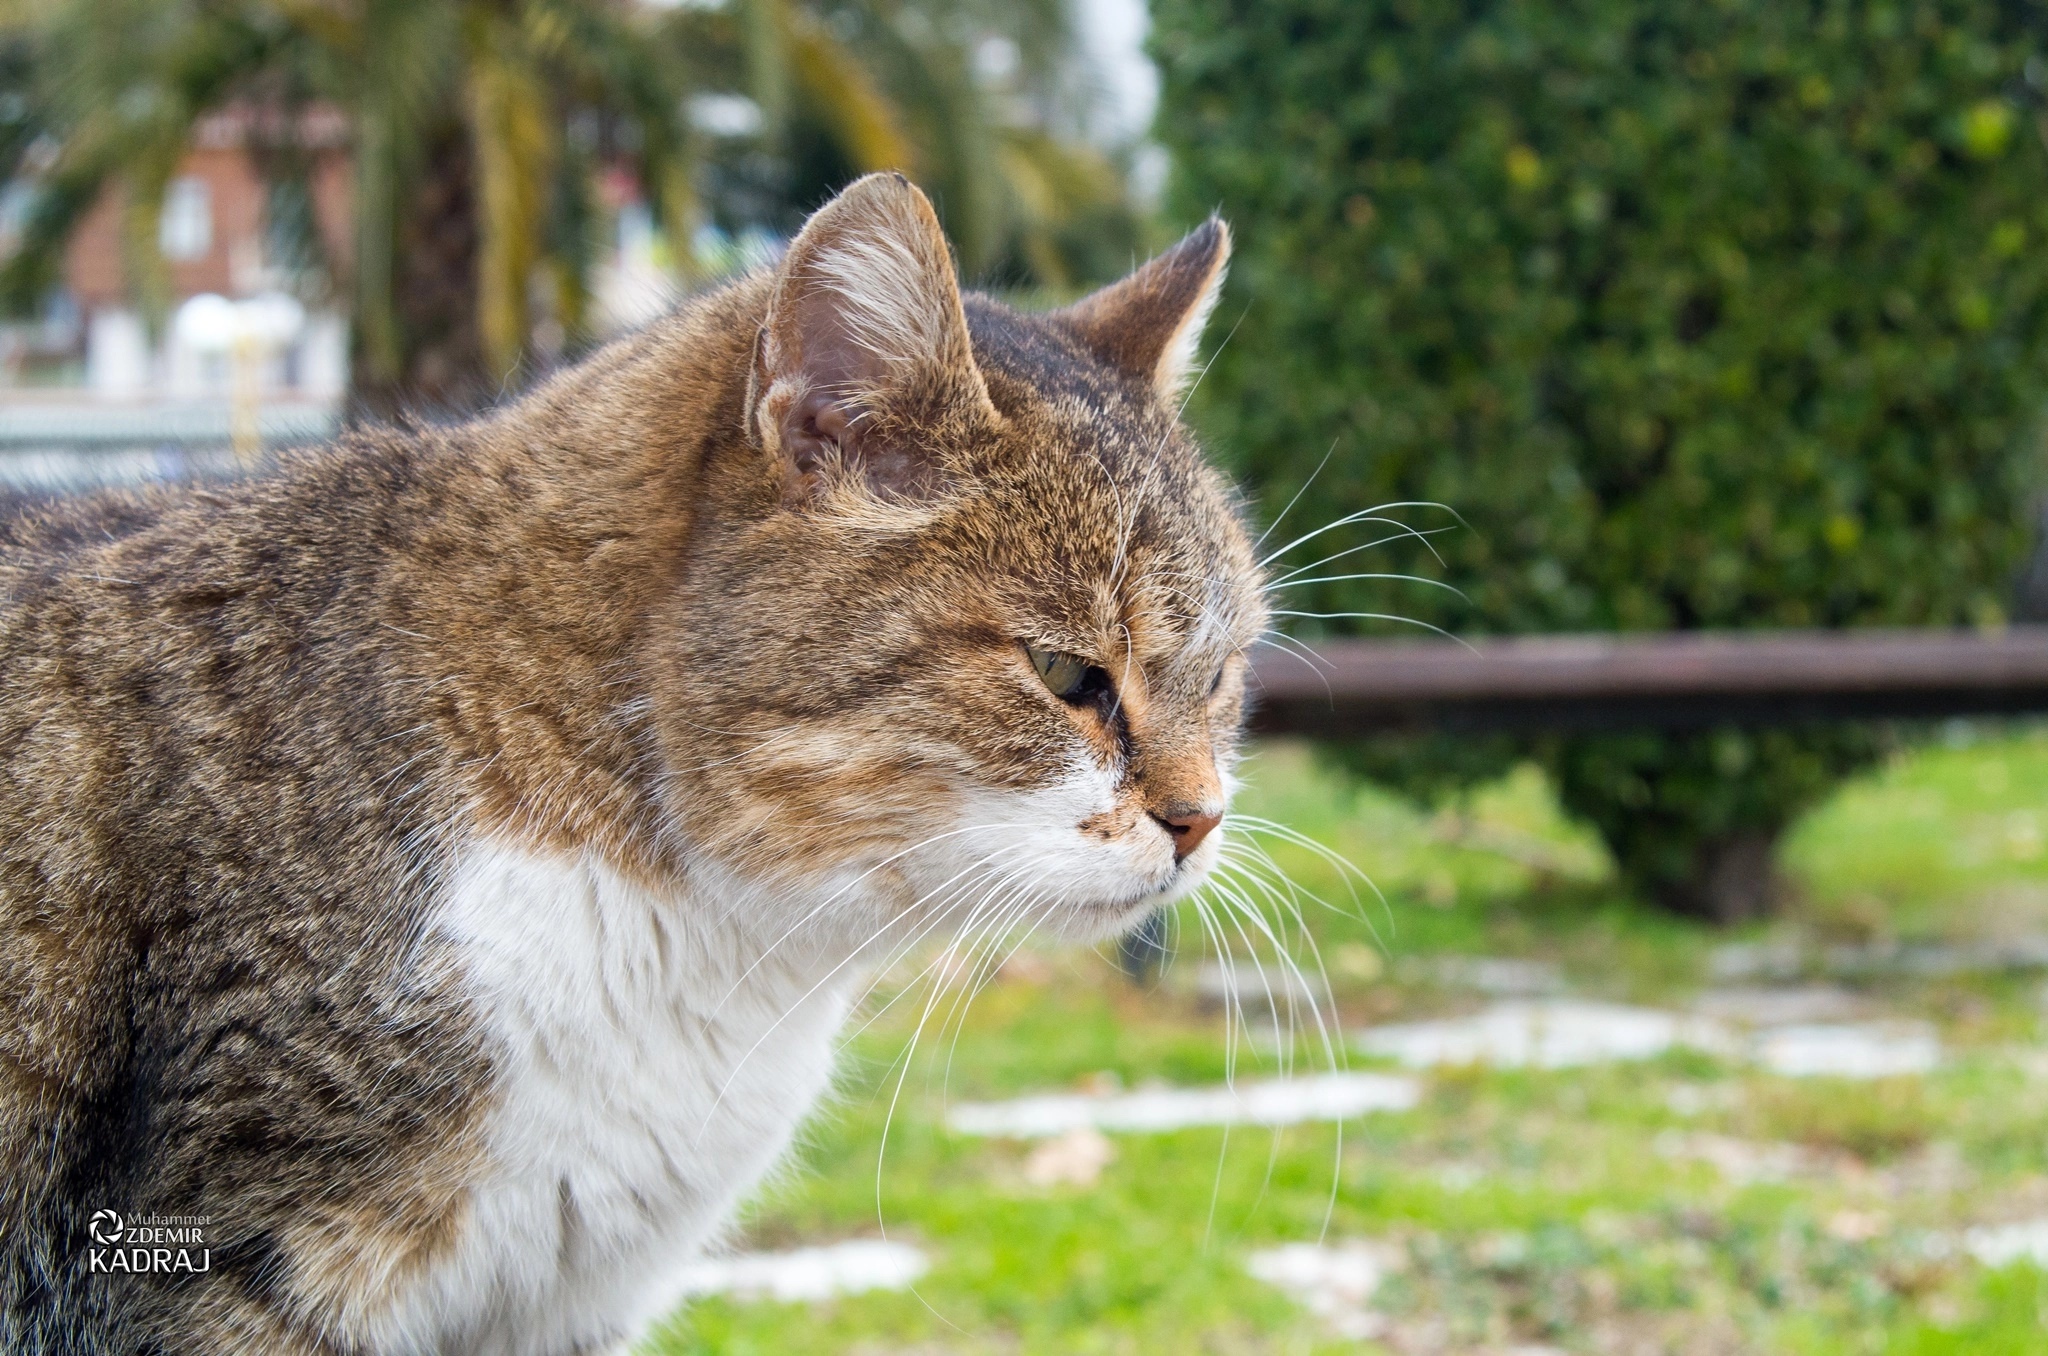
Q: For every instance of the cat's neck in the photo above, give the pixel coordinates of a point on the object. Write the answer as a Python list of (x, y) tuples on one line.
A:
[(524, 599)]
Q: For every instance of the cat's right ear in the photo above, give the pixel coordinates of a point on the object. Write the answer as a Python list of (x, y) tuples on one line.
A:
[(865, 326), (1149, 324)]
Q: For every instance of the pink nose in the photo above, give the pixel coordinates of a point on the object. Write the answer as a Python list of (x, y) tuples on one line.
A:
[(1189, 825)]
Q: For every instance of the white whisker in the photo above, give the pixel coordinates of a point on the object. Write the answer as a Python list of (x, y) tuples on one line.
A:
[(1379, 616), (1343, 578), (1423, 534), (1371, 515), (1282, 517)]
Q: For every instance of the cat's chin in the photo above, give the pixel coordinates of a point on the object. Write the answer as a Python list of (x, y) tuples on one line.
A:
[(1098, 921)]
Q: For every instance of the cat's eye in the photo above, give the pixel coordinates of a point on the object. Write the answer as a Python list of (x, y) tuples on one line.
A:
[(1063, 674)]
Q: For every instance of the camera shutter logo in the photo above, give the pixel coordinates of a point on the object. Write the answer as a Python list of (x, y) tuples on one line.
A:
[(137, 1244)]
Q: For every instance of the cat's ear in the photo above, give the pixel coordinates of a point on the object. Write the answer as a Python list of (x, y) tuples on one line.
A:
[(1150, 324), (865, 344)]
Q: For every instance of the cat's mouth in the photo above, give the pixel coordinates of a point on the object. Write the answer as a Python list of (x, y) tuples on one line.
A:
[(1185, 876), (1076, 857)]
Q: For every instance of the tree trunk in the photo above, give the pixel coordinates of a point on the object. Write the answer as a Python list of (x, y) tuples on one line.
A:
[(434, 288), (1734, 880)]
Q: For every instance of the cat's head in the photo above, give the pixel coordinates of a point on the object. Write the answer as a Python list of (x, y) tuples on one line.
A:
[(965, 626)]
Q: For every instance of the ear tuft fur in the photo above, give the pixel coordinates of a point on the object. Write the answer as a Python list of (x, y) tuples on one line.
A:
[(878, 252), (1149, 325), (865, 309)]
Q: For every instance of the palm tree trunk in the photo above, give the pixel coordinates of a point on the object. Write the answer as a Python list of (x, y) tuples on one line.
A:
[(441, 366)]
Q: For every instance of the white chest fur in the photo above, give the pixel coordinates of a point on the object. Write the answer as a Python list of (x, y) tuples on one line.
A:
[(651, 1066)]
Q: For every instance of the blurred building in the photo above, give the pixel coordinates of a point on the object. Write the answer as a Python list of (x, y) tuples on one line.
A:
[(250, 342)]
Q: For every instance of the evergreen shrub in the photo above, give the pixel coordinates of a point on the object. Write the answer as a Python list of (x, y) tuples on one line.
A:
[(1700, 314)]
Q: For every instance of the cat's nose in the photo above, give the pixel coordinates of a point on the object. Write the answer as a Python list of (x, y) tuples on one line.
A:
[(1189, 825)]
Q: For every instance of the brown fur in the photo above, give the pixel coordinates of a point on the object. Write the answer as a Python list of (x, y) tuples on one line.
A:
[(699, 581)]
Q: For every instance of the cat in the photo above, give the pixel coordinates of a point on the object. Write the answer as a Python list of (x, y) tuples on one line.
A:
[(433, 872)]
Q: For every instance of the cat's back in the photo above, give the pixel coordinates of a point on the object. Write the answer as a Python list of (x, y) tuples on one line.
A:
[(211, 861), (41, 527), (190, 679), (179, 632)]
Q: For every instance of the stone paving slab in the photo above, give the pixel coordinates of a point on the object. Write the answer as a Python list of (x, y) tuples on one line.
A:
[(849, 1268), (1281, 1101), (1571, 1033)]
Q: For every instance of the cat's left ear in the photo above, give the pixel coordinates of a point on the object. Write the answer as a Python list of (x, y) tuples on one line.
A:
[(1150, 324), (865, 353)]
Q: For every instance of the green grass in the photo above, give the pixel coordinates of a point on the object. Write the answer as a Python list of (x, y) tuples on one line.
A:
[(1561, 1208), (1950, 842)]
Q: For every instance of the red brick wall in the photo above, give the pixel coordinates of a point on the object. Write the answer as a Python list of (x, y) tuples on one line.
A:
[(93, 268)]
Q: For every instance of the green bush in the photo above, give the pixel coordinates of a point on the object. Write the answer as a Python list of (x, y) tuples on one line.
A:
[(1700, 313)]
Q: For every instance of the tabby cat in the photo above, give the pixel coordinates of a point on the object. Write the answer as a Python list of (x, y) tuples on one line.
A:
[(433, 873)]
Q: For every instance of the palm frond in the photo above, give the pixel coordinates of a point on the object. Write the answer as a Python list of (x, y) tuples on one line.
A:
[(859, 115), (489, 91), (615, 60), (515, 149)]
